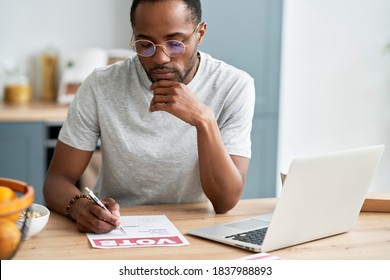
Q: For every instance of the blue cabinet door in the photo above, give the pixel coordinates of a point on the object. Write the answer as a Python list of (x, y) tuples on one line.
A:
[(22, 154), (247, 34)]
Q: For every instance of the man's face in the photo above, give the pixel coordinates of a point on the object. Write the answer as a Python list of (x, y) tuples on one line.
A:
[(162, 21)]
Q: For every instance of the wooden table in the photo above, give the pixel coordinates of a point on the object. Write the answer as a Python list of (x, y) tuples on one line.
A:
[(60, 240)]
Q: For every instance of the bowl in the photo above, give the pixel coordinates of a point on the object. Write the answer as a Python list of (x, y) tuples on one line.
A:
[(36, 220)]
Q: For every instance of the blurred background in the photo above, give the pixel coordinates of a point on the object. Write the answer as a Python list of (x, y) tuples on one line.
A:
[(335, 79), (29, 28), (322, 72)]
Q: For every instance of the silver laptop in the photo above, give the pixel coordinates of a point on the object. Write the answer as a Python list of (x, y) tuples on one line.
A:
[(321, 196)]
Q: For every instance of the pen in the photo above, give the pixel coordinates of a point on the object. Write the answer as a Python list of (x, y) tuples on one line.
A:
[(98, 202)]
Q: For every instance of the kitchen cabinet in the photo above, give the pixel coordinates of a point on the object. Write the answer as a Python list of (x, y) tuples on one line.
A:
[(26, 149), (27, 140), (22, 154)]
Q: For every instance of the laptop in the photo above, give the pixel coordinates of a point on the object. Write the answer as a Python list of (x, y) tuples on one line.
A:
[(321, 197)]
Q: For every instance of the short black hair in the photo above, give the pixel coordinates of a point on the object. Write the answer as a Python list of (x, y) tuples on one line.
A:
[(193, 5)]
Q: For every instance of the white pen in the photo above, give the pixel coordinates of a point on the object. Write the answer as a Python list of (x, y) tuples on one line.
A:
[(98, 202)]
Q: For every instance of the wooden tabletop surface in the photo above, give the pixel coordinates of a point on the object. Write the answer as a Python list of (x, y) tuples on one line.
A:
[(60, 240)]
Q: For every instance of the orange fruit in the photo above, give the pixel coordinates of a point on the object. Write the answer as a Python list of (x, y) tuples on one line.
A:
[(7, 194), (10, 236)]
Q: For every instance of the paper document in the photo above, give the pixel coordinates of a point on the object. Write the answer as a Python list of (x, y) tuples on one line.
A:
[(141, 231)]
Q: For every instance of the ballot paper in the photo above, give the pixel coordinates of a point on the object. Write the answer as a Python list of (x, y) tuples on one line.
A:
[(141, 231)]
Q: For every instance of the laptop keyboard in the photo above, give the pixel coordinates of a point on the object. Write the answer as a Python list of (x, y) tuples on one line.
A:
[(254, 236)]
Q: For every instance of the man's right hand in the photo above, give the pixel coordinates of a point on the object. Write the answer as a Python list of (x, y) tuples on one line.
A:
[(91, 217)]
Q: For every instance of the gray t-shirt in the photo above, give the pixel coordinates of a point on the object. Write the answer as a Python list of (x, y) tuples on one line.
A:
[(151, 157)]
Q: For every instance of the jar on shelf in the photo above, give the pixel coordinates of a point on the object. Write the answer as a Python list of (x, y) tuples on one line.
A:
[(17, 89), (49, 66)]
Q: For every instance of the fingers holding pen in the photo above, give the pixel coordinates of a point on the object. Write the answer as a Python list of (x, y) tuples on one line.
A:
[(111, 216), (92, 218), (112, 206)]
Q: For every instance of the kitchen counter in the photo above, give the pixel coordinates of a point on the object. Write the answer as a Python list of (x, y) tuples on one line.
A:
[(28, 135), (33, 112)]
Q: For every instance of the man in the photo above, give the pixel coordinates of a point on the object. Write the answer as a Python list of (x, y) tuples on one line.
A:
[(174, 124)]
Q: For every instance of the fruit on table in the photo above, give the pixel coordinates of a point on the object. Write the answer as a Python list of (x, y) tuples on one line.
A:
[(10, 236), (7, 194)]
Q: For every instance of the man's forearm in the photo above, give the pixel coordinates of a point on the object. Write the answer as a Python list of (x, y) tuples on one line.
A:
[(58, 191), (221, 179)]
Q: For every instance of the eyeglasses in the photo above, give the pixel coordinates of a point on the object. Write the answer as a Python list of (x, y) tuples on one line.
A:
[(172, 48)]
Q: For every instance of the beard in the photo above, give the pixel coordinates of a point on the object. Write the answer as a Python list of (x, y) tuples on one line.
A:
[(178, 76)]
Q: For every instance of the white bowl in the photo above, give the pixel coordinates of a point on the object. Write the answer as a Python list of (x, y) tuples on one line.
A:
[(35, 225)]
